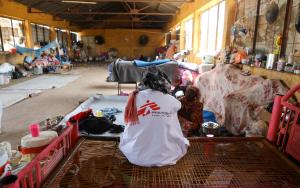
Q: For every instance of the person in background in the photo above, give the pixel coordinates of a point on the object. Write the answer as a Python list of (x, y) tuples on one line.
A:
[(143, 58), (191, 112), (153, 136), (171, 51)]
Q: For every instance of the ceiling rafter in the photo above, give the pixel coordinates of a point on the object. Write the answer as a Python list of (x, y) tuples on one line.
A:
[(145, 7), (127, 5), (170, 7), (120, 13), (135, 1), (141, 21), (127, 8), (35, 3)]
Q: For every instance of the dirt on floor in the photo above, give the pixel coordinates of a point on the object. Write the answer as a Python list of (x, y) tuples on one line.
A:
[(54, 102)]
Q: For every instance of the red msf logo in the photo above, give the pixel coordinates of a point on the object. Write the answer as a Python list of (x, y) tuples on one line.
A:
[(146, 108)]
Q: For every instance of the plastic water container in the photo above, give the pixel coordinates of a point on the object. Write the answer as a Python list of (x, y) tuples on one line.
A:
[(38, 70), (4, 79), (34, 129)]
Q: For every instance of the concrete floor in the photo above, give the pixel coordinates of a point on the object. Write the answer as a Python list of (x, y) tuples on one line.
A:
[(53, 102)]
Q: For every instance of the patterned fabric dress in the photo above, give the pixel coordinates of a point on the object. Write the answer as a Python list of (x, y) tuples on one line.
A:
[(190, 116)]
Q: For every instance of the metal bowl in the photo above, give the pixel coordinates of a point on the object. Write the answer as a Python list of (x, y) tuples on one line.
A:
[(211, 128)]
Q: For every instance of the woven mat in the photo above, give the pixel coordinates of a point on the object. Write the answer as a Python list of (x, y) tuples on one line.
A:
[(207, 164)]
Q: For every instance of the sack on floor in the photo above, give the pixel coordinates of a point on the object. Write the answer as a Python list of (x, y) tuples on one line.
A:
[(17, 75), (94, 125)]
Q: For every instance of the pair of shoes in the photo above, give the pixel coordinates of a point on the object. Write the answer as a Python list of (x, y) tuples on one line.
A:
[(116, 128)]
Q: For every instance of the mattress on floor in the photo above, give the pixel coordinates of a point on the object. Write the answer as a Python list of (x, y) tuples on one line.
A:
[(18, 92), (96, 103)]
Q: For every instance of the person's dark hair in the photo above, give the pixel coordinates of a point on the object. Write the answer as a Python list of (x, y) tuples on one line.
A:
[(156, 80), (192, 93)]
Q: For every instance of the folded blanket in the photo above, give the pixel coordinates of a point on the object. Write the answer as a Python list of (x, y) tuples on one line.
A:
[(140, 63)]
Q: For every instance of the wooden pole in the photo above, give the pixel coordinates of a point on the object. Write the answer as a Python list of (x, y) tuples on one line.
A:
[(285, 33), (256, 25)]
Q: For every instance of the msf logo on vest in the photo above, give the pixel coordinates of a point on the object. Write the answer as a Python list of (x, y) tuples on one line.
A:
[(148, 108)]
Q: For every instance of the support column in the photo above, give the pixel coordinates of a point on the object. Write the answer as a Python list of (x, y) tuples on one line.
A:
[(173, 34), (53, 34), (182, 37), (69, 41), (287, 20), (230, 17), (28, 34)]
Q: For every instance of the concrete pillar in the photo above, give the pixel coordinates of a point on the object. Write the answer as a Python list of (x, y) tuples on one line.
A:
[(69, 41), (28, 34), (229, 20), (53, 33), (182, 36)]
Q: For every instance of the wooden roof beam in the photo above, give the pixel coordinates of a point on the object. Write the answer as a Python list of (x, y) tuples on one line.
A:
[(135, 1), (118, 13), (126, 21)]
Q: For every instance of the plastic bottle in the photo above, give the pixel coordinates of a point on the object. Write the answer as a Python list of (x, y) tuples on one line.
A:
[(291, 59)]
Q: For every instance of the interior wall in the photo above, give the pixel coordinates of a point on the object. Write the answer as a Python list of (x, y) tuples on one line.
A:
[(193, 10), (268, 32), (289, 79), (266, 36), (12, 58), (125, 40)]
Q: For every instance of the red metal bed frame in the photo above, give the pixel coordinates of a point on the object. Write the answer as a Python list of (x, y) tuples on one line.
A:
[(35, 173), (284, 126)]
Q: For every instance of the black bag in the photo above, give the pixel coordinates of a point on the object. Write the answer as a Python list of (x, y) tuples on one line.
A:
[(17, 75), (95, 125)]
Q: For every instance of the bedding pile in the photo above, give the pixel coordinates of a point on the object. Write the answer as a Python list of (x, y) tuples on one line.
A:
[(128, 71), (236, 99)]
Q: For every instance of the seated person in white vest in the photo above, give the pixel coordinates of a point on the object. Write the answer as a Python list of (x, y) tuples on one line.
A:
[(153, 136)]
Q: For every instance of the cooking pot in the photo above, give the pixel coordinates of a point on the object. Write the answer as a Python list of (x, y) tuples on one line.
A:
[(211, 128), (272, 12)]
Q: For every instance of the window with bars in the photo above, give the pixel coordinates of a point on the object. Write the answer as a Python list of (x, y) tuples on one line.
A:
[(168, 38), (40, 34), (188, 31), (11, 33), (212, 29), (65, 39), (59, 36), (177, 33), (62, 37)]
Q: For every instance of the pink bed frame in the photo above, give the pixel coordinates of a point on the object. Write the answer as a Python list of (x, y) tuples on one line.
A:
[(34, 174)]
